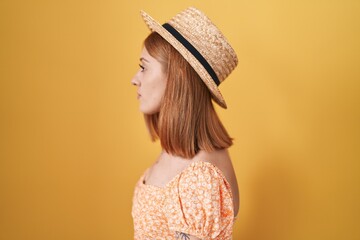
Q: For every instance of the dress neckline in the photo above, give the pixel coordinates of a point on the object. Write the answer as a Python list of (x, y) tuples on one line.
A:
[(154, 187), (180, 173)]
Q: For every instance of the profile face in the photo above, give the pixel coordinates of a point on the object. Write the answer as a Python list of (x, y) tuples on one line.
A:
[(151, 83)]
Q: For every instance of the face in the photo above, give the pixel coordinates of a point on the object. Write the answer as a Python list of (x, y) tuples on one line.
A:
[(151, 82)]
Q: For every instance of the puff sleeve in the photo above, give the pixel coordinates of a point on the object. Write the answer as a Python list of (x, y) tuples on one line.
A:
[(200, 203)]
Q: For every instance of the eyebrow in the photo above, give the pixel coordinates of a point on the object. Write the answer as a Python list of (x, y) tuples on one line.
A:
[(143, 59)]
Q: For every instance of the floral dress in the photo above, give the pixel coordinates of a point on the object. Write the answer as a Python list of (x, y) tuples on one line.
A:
[(198, 202)]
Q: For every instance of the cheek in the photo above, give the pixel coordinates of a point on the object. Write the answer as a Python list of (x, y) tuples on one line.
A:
[(162, 85), (151, 100), (156, 97), (153, 90), (157, 88)]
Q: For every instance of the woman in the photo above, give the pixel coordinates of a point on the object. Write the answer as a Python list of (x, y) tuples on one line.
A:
[(191, 191)]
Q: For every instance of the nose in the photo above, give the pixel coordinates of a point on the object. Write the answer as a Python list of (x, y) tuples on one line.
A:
[(135, 81)]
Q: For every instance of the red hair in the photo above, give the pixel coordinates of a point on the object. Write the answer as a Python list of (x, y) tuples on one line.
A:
[(187, 121)]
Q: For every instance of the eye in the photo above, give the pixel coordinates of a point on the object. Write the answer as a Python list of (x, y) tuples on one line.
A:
[(142, 67)]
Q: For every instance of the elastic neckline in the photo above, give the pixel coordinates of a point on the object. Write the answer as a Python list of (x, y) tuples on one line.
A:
[(167, 185)]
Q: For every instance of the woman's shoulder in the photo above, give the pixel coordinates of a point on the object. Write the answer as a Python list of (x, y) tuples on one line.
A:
[(217, 161), (217, 153), (200, 200), (220, 158), (222, 161)]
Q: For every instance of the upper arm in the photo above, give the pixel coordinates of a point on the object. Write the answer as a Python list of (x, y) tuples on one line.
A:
[(200, 204)]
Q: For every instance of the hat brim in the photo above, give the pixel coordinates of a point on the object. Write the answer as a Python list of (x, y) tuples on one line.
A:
[(198, 67)]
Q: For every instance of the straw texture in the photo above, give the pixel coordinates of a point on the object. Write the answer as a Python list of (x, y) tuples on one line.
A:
[(198, 29)]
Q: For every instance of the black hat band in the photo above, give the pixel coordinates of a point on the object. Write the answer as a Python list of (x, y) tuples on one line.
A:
[(193, 51)]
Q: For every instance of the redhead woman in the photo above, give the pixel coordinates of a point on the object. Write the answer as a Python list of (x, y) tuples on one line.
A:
[(191, 191)]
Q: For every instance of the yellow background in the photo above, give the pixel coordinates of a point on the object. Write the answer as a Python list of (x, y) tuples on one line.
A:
[(73, 143)]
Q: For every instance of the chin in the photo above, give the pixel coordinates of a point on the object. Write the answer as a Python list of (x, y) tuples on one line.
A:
[(149, 111)]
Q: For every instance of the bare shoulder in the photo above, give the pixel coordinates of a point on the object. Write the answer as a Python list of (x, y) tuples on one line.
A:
[(221, 159), (217, 157)]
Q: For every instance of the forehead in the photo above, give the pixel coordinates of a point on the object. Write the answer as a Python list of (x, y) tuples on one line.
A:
[(145, 56)]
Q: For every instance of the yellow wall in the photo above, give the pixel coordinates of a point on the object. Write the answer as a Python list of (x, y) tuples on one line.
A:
[(73, 143)]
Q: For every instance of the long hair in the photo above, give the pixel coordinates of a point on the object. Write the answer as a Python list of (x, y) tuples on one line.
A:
[(187, 121)]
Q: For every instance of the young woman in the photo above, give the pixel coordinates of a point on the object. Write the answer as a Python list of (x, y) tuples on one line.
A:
[(190, 192)]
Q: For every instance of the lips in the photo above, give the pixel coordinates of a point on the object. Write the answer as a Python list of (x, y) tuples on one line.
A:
[(138, 95)]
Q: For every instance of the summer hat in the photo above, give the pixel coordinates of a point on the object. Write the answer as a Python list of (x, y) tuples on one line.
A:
[(202, 44)]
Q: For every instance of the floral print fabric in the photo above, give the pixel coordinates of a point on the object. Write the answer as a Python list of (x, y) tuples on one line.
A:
[(198, 201)]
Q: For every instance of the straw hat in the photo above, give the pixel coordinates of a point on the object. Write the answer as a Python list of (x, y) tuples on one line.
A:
[(202, 44)]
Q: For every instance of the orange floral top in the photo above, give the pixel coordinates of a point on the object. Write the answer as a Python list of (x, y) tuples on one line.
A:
[(198, 202)]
